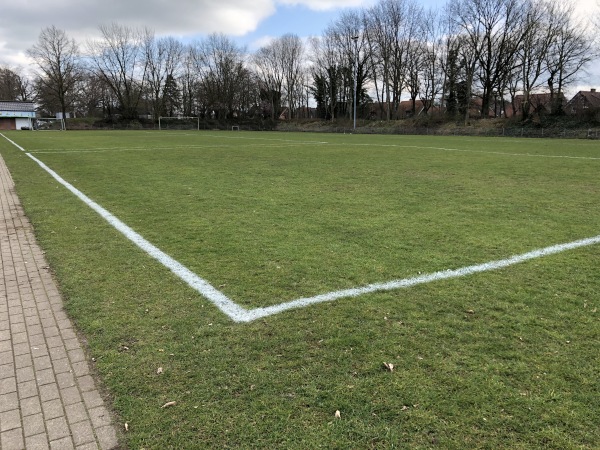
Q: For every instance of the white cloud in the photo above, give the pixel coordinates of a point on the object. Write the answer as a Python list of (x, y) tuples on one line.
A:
[(261, 42), (21, 22), (326, 5), (586, 9)]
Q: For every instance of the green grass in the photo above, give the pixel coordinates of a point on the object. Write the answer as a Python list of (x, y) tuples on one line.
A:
[(505, 359)]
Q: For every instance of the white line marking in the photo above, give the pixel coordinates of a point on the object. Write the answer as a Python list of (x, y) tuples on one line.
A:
[(295, 143), (240, 314), (203, 287), (13, 143), (445, 149), (428, 278)]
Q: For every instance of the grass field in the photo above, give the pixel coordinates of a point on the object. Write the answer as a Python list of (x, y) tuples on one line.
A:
[(502, 359)]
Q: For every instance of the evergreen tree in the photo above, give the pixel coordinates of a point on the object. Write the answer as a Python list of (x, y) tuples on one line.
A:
[(172, 97)]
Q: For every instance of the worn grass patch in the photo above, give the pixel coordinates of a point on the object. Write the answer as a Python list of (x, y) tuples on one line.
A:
[(497, 360)]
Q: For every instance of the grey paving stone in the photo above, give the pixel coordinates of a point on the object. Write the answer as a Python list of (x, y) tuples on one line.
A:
[(70, 395), (28, 389), (30, 406), (49, 392), (9, 420), (34, 425), (37, 442), (86, 383), (57, 428), (25, 373), (9, 401), (45, 376), (92, 399), (12, 440), (23, 361), (82, 433), (76, 412), (8, 385), (52, 409), (65, 380), (62, 444), (90, 446), (100, 416), (107, 437)]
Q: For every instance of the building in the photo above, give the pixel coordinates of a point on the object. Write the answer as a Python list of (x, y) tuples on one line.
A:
[(583, 102), (16, 115), (539, 104)]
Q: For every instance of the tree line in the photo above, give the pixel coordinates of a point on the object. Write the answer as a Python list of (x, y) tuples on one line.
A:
[(496, 51)]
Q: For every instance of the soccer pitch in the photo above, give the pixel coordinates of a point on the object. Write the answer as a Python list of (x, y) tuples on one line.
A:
[(471, 264)]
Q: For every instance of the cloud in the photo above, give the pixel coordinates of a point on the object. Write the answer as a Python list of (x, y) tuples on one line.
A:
[(263, 41), (21, 22), (326, 5)]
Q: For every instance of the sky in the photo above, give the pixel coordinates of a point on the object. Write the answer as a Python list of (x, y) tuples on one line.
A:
[(251, 23)]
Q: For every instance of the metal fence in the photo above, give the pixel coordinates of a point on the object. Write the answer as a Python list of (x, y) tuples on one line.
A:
[(515, 132), (328, 127)]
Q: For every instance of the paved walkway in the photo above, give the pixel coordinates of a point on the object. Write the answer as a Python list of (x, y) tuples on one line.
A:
[(48, 399)]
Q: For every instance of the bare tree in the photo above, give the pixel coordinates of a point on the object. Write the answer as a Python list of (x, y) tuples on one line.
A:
[(14, 86), (391, 27), (267, 62), (326, 72), (188, 82), (279, 66), (432, 77), (94, 98), (416, 54), (118, 59), (163, 57), (57, 61), (347, 35), (292, 51), (541, 27), (382, 27), (220, 64), (570, 51), (494, 31)]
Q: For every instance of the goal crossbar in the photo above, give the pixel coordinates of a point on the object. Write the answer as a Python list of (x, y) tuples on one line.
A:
[(46, 124), (162, 122)]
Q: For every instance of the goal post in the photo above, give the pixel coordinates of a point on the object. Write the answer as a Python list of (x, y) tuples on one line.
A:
[(178, 123), (48, 124)]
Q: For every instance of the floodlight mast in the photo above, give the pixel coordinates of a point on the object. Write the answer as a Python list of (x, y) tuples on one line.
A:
[(355, 39)]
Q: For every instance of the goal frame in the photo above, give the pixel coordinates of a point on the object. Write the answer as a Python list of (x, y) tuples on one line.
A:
[(160, 118), (34, 123)]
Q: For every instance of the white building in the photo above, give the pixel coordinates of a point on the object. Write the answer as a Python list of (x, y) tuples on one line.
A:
[(16, 115)]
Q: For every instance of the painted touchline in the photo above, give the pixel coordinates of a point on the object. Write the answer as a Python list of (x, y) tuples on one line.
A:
[(422, 279), (240, 314)]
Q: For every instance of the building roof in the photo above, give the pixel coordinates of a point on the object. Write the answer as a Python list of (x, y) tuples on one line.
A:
[(17, 106), (589, 98)]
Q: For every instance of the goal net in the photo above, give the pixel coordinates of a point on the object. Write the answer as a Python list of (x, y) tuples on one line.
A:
[(178, 123), (47, 124)]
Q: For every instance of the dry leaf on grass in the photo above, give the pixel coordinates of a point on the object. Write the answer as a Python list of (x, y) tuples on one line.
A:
[(338, 415), (389, 366), (126, 426), (159, 371), (166, 405)]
